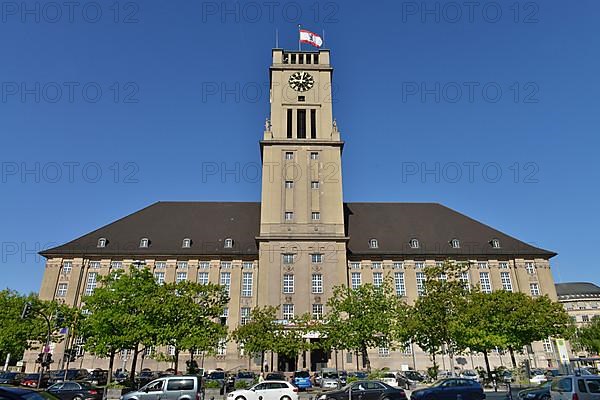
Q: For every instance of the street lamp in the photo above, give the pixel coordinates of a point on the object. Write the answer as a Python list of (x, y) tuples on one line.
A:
[(27, 311)]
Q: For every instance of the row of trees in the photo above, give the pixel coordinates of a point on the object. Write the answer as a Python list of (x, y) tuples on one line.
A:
[(131, 311)]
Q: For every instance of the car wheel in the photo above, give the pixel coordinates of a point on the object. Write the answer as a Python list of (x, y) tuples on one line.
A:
[(285, 398), (77, 398), (240, 398)]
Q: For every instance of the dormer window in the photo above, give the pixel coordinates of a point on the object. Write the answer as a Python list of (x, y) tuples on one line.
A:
[(414, 243), (144, 243), (495, 243), (373, 244), (102, 242), (228, 243), (455, 243), (187, 243)]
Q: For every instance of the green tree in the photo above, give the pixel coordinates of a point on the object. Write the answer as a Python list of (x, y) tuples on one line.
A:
[(363, 318), (188, 315), (437, 315), (588, 337), (260, 334)]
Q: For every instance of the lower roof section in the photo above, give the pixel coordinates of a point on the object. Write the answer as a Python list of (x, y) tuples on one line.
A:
[(209, 224)]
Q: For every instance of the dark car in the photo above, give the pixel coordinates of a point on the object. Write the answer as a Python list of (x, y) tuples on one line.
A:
[(413, 376), (69, 390), (541, 392), (370, 390), (217, 376), (11, 378), (15, 393), (275, 376), (359, 375), (146, 376), (98, 377), (71, 375), (32, 380), (450, 389)]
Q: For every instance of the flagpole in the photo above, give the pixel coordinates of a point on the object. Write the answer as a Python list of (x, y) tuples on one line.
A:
[(299, 42), (276, 38), (323, 36)]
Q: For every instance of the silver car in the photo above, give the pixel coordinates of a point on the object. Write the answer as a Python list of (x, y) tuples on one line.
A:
[(168, 388), (575, 387)]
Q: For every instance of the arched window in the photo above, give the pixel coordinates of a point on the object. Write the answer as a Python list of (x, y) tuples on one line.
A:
[(144, 243), (455, 243), (102, 242), (228, 243), (187, 243), (495, 243), (414, 243), (373, 244)]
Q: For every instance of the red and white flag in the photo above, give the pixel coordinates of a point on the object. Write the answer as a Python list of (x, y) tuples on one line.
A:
[(310, 38)]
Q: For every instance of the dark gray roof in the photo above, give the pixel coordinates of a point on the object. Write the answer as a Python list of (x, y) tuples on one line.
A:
[(577, 289), (208, 224)]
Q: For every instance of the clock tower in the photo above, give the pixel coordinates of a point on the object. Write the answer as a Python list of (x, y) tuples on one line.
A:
[(302, 241)]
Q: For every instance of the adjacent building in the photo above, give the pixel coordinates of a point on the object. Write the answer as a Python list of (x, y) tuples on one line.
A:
[(300, 241)]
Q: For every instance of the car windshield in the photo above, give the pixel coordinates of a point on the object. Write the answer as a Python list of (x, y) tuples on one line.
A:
[(216, 375), (301, 374), (389, 375), (8, 375), (360, 375), (438, 383), (469, 373), (330, 375)]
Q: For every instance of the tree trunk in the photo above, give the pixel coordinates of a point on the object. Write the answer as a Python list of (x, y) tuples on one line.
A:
[(176, 360), (512, 357), (262, 361), (366, 360), (111, 366), (487, 364), (134, 364)]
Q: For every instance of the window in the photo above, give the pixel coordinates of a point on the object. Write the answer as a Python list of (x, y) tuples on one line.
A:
[(482, 265), (144, 243), (187, 243), (301, 99), (67, 267), (160, 265), (116, 264), (377, 279), (414, 243), (495, 243), (90, 285), (534, 288), (180, 277), (102, 242), (442, 277), (503, 265), (159, 277), (182, 265), (244, 315), (464, 278), (288, 216), (314, 155), (61, 290), (354, 265), (376, 265), (204, 265), (373, 244), (317, 283), (349, 357), (289, 184), (314, 185), (228, 243), (455, 243), (225, 281), (484, 281), (288, 258), (399, 283), (315, 216), (548, 348), (203, 278), (290, 128), (420, 283), (301, 123), (247, 280), (316, 258), (289, 155), (419, 265), (247, 265), (222, 347), (313, 124), (288, 311), (317, 311), (180, 384), (95, 264), (383, 352), (530, 268), (506, 281), (398, 265), (585, 318), (355, 280), (288, 283), (224, 316), (225, 264)]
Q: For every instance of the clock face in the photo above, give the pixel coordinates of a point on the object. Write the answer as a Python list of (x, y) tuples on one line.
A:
[(301, 81)]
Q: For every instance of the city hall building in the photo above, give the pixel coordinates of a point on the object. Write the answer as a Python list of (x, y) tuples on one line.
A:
[(292, 248)]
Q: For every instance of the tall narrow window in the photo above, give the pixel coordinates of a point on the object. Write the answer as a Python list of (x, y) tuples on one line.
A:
[(288, 283), (159, 277), (484, 281), (91, 283), (506, 281), (377, 279), (317, 283), (355, 280), (247, 279), (420, 283), (400, 286), (289, 123), (288, 311), (203, 278), (181, 277), (301, 124), (317, 311), (225, 281), (313, 124), (67, 267), (61, 291), (244, 315), (534, 288)]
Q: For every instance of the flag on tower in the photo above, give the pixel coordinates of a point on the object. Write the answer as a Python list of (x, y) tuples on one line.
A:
[(310, 38)]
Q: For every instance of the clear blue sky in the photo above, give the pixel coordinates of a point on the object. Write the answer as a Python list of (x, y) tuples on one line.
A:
[(158, 125)]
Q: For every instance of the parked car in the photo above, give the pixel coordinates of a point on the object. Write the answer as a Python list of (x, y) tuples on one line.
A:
[(390, 378), (470, 374), (248, 377), (11, 378), (147, 376), (69, 390), (268, 390), (275, 376), (538, 377), (301, 379), (219, 377), (16, 393), (32, 380), (372, 390), (540, 392), (72, 375), (450, 389), (575, 387), (360, 375), (413, 376), (168, 388), (330, 379), (98, 377), (402, 381)]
